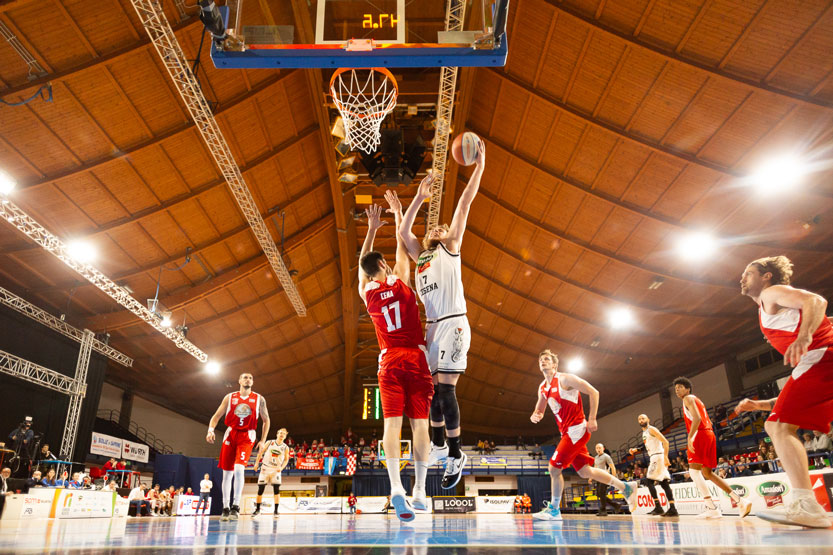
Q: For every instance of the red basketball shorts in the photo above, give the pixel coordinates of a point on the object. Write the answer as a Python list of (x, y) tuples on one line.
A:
[(705, 449), (807, 400), (405, 383), (568, 453), (237, 448)]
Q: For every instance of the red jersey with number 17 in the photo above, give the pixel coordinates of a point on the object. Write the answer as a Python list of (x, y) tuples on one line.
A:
[(393, 308)]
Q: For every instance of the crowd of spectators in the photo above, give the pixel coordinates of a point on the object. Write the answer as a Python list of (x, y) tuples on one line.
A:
[(349, 444)]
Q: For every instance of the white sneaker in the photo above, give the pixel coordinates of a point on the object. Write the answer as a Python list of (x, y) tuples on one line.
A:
[(404, 510), (419, 500), (745, 507), (630, 495), (437, 454), (801, 512), (548, 513), (453, 471), (710, 514)]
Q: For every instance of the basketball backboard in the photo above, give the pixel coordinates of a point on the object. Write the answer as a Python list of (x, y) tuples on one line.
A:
[(361, 33)]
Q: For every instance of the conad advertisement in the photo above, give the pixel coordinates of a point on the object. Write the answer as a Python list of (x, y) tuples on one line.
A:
[(763, 490)]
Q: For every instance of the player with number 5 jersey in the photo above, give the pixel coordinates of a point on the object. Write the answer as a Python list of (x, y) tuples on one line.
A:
[(405, 384)]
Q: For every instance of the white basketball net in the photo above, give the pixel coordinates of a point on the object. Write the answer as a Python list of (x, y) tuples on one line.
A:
[(363, 98)]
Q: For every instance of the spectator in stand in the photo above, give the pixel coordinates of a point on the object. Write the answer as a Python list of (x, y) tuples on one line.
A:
[(50, 480), (775, 464), (36, 481), (155, 498), (520, 444), (109, 465), (478, 448), (492, 448), (45, 453), (350, 436), (361, 442), (822, 442), (189, 491), (519, 504), (137, 499), (723, 472), (87, 482), (808, 441), (371, 459), (742, 469), (77, 481), (205, 493), (537, 452), (527, 503), (351, 502), (111, 486)]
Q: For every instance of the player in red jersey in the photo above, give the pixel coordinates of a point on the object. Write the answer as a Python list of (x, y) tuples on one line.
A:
[(793, 321), (240, 411), (702, 451), (405, 383), (562, 392)]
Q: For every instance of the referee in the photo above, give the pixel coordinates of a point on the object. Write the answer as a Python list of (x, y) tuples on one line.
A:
[(604, 462)]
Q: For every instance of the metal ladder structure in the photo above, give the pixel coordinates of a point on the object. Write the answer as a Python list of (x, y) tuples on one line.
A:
[(173, 58)]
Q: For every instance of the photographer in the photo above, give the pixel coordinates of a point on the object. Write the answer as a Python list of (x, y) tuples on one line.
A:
[(21, 441)]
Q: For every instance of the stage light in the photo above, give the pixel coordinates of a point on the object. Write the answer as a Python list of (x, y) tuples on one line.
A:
[(81, 251), (7, 184), (696, 246), (575, 365), (166, 321), (212, 368), (620, 318), (779, 175)]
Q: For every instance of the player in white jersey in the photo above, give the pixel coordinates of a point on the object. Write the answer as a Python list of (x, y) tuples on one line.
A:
[(657, 447), (272, 458), (439, 285)]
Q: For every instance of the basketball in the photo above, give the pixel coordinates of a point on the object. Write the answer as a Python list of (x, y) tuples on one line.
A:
[(464, 148)]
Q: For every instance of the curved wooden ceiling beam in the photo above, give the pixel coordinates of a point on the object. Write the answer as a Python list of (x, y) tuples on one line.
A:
[(190, 295), (582, 244), (756, 85), (588, 351), (94, 63), (601, 327), (197, 249), (89, 165), (613, 201), (193, 193)]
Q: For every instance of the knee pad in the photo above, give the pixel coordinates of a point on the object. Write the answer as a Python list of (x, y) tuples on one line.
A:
[(276, 489), (260, 489), (436, 405), (447, 393)]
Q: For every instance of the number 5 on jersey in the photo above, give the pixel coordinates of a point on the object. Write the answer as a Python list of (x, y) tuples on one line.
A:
[(397, 320)]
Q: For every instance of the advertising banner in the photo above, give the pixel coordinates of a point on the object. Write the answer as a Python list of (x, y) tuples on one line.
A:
[(493, 461), (494, 504), (35, 504), (762, 490), (187, 505), (105, 445), (132, 451), (120, 506), (297, 505), (79, 503), (453, 504), (307, 463), (367, 505)]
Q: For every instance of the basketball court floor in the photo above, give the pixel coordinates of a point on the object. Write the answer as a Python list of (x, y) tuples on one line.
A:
[(435, 533)]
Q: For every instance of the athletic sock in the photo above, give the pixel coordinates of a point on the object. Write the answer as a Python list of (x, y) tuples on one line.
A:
[(438, 435), (227, 476), (393, 474), (420, 472), (454, 447), (257, 506), (239, 480), (710, 503), (803, 494), (735, 497)]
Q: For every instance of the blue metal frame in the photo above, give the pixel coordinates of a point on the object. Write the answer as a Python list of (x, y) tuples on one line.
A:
[(394, 56)]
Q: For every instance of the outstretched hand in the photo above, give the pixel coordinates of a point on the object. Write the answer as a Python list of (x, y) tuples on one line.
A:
[(374, 217), (480, 159), (393, 202), (424, 189)]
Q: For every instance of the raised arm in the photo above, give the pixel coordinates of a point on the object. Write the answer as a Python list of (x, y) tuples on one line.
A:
[(812, 314), (374, 222), (402, 268), (461, 213), (405, 229), (221, 410), (264, 414), (574, 382)]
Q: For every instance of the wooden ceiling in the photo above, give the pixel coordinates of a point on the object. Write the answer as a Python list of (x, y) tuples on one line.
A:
[(614, 128)]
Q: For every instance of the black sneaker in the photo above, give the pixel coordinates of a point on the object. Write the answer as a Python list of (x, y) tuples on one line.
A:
[(235, 513), (657, 511), (225, 514), (672, 511), (276, 511), (601, 512), (453, 471), (257, 511)]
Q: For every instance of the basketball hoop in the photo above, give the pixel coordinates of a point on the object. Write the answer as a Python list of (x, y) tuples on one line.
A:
[(363, 98)]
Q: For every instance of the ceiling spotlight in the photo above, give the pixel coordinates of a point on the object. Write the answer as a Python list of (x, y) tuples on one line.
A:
[(7, 184), (620, 318), (212, 368), (575, 365), (81, 251), (657, 283), (779, 174), (166, 321), (696, 245)]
